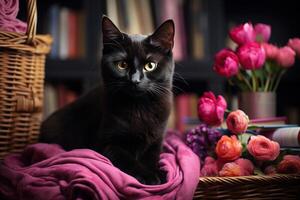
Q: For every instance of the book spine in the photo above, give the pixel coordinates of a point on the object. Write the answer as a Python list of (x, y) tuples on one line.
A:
[(286, 137)]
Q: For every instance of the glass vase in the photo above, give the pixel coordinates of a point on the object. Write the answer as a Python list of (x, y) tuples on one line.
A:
[(258, 104)]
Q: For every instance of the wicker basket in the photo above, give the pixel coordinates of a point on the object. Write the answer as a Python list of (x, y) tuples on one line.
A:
[(249, 187), (22, 60)]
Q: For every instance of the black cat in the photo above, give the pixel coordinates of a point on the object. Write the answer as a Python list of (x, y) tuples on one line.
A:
[(125, 117)]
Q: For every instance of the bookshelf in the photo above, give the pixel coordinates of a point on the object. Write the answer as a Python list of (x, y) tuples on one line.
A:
[(195, 68)]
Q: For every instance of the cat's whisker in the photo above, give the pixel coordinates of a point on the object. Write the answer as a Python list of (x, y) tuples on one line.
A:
[(176, 88), (179, 77)]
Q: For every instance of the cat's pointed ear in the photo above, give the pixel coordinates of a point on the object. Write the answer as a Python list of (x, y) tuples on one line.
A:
[(163, 36), (109, 29)]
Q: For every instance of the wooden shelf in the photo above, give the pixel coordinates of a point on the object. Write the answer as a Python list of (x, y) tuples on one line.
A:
[(70, 69)]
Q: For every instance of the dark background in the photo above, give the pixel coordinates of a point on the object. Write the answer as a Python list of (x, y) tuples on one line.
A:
[(283, 16)]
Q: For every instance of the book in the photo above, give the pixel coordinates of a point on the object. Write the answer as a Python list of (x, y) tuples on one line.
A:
[(63, 33), (73, 34), (268, 121), (50, 100), (286, 136), (53, 29)]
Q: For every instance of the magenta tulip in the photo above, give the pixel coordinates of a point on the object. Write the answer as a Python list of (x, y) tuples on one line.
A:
[(251, 55), (271, 50), (263, 32), (211, 109), (286, 57), (226, 63), (242, 34), (295, 45)]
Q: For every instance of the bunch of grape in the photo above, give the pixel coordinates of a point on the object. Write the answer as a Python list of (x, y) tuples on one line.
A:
[(202, 140)]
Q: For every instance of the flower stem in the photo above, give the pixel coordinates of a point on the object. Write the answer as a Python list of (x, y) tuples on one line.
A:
[(246, 81), (278, 79), (268, 82), (254, 81)]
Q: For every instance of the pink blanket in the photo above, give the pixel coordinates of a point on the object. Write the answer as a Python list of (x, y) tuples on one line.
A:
[(8, 17), (45, 171)]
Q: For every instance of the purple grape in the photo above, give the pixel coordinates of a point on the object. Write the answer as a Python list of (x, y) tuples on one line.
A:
[(202, 140)]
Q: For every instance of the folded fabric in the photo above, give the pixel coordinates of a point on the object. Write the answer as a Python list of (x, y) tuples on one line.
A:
[(45, 171), (8, 17)]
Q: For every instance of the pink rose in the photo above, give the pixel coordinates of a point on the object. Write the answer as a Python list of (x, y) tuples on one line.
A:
[(251, 55), (286, 56), (295, 45), (231, 169), (237, 122), (261, 148), (289, 165), (271, 50), (263, 32), (226, 63), (210, 167), (228, 148), (246, 166), (211, 109), (242, 34)]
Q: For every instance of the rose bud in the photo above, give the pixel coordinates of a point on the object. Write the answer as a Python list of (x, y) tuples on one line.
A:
[(246, 166), (228, 148), (242, 34), (251, 55), (261, 148), (289, 165), (210, 167), (237, 122), (231, 169), (211, 109), (226, 63)]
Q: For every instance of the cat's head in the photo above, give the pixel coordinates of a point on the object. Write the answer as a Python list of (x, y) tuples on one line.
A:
[(137, 64)]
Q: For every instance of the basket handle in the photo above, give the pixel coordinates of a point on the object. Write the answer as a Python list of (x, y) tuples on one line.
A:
[(31, 21)]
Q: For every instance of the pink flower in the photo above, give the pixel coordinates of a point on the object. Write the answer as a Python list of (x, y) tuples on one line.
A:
[(295, 45), (237, 122), (289, 165), (251, 55), (246, 166), (286, 56), (261, 148), (271, 50), (228, 148), (263, 32), (231, 169), (226, 63), (242, 34), (211, 109), (270, 170), (210, 167)]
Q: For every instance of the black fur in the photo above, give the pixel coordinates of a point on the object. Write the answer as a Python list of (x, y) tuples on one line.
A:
[(125, 117)]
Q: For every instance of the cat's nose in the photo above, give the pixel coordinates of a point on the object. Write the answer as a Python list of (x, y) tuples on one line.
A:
[(136, 78)]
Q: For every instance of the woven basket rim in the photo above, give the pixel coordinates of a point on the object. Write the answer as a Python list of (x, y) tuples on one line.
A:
[(249, 179), (41, 43)]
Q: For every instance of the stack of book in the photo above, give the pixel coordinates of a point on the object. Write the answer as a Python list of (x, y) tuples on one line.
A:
[(190, 18), (67, 27), (277, 129)]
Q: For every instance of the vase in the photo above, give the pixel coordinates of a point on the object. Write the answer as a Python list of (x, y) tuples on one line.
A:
[(258, 104)]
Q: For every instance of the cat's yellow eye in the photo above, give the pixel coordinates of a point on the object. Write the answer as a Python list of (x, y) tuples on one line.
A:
[(122, 65), (150, 66)]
